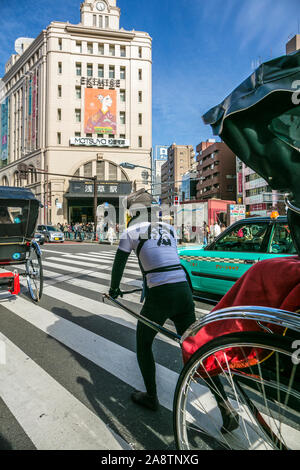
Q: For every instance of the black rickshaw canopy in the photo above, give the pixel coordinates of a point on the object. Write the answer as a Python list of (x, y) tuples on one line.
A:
[(19, 210), (260, 122)]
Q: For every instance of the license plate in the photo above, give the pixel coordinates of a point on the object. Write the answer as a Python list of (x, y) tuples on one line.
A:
[(56, 238)]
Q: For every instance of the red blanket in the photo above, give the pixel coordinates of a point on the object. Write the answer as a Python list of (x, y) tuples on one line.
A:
[(270, 283)]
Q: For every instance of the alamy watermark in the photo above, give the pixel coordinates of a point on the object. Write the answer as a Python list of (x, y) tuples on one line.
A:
[(296, 354), (296, 94)]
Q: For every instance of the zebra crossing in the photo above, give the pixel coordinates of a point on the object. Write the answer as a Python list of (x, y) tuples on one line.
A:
[(70, 362)]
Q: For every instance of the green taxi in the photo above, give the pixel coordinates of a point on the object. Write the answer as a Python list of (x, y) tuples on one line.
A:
[(212, 270)]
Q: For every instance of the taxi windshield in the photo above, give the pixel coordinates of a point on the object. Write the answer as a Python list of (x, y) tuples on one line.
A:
[(243, 237)]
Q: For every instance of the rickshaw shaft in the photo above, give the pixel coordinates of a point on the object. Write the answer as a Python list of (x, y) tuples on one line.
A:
[(151, 324)]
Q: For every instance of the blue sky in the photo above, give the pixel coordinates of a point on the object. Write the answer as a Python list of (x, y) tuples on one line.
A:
[(202, 49)]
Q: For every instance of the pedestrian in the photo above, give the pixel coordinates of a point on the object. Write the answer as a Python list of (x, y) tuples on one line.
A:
[(216, 229), (205, 233), (65, 230), (111, 235)]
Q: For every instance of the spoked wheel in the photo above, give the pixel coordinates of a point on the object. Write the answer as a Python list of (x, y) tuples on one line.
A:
[(250, 401), (34, 273)]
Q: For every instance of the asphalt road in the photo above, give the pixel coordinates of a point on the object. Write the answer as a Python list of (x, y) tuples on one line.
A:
[(68, 364)]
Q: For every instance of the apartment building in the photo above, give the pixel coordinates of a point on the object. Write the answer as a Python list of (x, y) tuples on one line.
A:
[(216, 171), (180, 160), (77, 100)]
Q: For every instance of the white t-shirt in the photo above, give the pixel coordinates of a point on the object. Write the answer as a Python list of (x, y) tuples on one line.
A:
[(158, 251)]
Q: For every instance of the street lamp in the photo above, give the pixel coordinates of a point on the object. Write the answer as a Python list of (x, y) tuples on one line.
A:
[(131, 166)]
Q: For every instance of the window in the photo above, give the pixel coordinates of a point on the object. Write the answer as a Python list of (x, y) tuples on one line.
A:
[(60, 44), (112, 172), (122, 95), (140, 74), (243, 237), (106, 22), (58, 138), (112, 50), (140, 96), (140, 52), (122, 73), (78, 69), (101, 21), (100, 136), (140, 141), (100, 71), (78, 115), (78, 92), (77, 134), (122, 136), (122, 117), (59, 67), (90, 48), (78, 47), (94, 20), (101, 49), (59, 114), (59, 91), (89, 70), (89, 135), (111, 71), (123, 51), (87, 170), (100, 170), (281, 240), (140, 119)]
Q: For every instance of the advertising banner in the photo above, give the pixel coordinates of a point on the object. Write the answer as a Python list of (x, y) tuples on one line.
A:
[(34, 109), (4, 129), (100, 111)]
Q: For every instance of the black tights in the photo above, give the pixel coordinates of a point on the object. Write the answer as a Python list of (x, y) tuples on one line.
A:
[(169, 301)]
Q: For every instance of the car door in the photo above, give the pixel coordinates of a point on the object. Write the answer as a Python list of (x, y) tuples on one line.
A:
[(223, 262)]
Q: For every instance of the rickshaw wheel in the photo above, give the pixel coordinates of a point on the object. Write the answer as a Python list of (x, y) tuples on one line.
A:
[(34, 273), (259, 403)]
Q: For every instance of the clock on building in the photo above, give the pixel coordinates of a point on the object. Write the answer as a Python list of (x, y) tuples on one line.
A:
[(100, 6)]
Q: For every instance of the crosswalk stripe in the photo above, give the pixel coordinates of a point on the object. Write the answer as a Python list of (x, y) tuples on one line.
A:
[(50, 415), (96, 307), (83, 263), (110, 356), (92, 273), (97, 259), (96, 287)]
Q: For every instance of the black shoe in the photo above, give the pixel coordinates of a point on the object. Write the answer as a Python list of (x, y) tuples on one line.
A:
[(230, 417), (145, 400)]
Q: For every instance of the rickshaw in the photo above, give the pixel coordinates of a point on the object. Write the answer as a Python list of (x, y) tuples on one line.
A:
[(18, 217), (240, 388)]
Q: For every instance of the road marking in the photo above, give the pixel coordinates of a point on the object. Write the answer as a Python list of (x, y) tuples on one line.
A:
[(50, 415), (82, 263), (97, 259), (110, 356), (97, 307)]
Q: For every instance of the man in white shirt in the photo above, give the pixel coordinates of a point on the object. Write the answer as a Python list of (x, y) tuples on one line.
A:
[(167, 292)]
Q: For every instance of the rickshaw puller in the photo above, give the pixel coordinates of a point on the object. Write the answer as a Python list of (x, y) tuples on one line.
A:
[(167, 292)]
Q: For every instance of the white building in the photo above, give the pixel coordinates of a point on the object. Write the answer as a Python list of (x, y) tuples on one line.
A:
[(78, 101)]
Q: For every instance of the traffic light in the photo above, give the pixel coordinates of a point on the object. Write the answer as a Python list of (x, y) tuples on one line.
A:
[(176, 201)]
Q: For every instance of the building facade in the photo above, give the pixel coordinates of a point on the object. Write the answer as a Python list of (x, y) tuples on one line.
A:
[(77, 101), (216, 171), (159, 157), (293, 44), (255, 193), (180, 160)]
